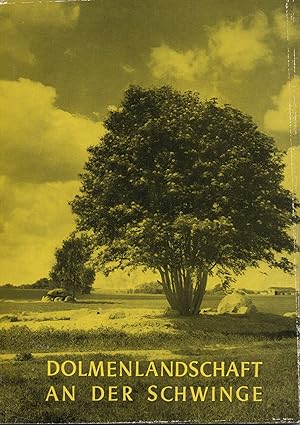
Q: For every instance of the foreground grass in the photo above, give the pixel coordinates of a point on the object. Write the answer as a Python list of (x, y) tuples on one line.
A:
[(150, 333), (268, 338), (25, 386)]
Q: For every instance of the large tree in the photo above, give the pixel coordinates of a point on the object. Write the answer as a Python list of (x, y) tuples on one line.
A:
[(71, 269), (186, 188)]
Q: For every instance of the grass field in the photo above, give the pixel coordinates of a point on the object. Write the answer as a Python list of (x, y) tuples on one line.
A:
[(144, 334), (28, 300), (25, 386)]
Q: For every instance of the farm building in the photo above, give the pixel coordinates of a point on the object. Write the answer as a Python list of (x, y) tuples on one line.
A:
[(281, 290)]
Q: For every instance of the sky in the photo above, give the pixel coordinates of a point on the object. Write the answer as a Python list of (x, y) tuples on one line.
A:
[(64, 65)]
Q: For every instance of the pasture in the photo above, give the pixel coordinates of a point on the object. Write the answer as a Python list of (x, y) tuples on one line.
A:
[(88, 330), (18, 300)]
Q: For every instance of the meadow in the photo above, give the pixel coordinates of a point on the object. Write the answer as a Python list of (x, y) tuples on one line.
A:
[(17, 300), (146, 333)]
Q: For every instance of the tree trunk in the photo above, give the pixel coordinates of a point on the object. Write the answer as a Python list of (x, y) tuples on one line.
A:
[(74, 287), (184, 288)]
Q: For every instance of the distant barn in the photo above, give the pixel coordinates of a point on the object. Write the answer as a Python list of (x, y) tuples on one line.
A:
[(281, 290)]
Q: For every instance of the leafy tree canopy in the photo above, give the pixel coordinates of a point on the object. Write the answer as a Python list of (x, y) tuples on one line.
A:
[(148, 288), (71, 270), (43, 283), (187, 188)]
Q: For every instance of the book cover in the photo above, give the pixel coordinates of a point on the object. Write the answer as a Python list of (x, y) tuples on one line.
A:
[(149, 214)]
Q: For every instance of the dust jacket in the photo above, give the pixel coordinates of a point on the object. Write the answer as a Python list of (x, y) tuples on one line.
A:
[(149, 215)]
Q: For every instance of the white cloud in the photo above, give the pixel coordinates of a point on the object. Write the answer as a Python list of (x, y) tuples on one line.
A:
[(18, 21), (33, 223), (233, 46), (40, 142), (239, 45), (166, 63), (43, 149), (284, 116)]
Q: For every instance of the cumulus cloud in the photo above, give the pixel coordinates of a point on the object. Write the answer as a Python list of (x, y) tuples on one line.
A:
[(186, 70), (39, 141), (18, 21), (284, 116), (166, 62), (237, 46), (43, 149), (241, 45), (35, 218)]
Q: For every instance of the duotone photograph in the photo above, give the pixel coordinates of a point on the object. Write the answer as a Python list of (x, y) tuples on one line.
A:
[(149, 215)]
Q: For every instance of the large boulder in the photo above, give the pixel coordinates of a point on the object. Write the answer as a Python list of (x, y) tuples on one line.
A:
[(46, 299), (58, 299), (290, 314), (236, 303), (69, 299), (58, 292), (208, 311)]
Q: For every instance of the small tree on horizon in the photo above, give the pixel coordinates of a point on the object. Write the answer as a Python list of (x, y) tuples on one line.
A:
[(42, 283), (186, 188), (70, 270)]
